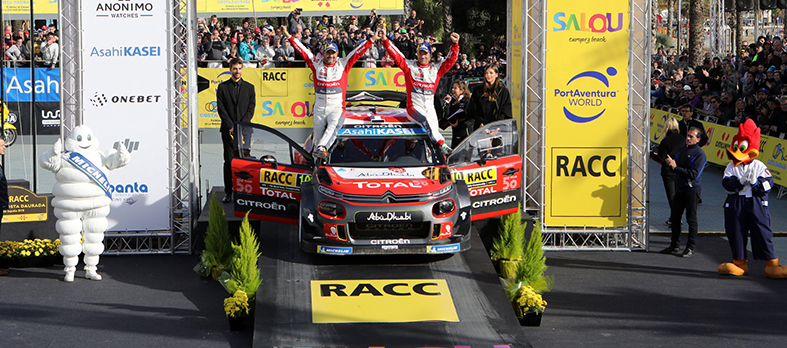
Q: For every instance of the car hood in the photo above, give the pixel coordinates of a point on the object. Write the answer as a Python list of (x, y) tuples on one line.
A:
[(376, 181)]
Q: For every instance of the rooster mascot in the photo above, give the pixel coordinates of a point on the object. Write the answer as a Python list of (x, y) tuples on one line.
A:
[(748, 183)]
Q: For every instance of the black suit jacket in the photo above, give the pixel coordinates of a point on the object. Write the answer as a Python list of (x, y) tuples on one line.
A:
[(231, 113)]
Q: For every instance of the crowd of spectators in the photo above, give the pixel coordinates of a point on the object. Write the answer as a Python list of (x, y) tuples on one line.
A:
[(261, 44), (727, 90), (19, 47)]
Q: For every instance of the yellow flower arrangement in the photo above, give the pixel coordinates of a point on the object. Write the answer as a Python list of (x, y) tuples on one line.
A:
[(8, 249), (237, 305), (32, 248), (529, 301)]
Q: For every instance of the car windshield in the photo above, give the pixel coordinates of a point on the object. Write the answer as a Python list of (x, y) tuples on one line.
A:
[(384, 152)]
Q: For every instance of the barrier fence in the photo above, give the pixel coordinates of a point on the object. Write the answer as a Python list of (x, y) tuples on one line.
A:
[(773, 150)]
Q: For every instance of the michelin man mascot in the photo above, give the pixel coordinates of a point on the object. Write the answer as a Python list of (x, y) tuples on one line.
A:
[(82, 196), (746, 212)]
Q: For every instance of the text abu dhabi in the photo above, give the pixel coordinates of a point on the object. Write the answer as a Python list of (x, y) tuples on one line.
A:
[(126, 51)]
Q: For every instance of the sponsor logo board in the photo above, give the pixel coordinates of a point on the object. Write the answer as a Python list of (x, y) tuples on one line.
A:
[(382, 300)]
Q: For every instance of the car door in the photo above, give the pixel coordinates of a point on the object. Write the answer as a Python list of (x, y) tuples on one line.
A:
[(267, 173), (489, 163)]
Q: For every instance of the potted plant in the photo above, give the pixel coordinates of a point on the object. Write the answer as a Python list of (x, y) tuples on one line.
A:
[(528, 304), (51, 253), (237, 309), (7, 252), (508, 247), (29, 252), (530, 281), (245, 274), (214, 260)]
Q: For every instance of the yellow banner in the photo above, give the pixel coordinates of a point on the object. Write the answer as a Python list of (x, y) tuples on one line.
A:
[(25, 206), (285, 97), (586, 93), (381, 301), (22, 7), (515, 60), (773, 151), (324, 6)]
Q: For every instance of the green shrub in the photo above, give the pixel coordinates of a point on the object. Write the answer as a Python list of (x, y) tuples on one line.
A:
[(531, 268), (215, 259), (245, 273), (509, 243)]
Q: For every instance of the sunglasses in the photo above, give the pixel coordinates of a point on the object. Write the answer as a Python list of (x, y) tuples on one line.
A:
[(693, 136)]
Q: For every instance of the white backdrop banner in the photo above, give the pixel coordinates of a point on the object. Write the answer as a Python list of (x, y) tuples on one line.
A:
[(125, 102)]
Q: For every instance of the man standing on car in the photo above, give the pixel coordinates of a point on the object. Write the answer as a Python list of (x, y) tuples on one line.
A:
[(330, 87), (421, 79), (235, 99)]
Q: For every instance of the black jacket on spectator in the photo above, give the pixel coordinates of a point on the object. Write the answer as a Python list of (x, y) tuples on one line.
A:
[(690, 160), (669, 146), (779, 119), (215, 50), (3, 191), (486, 111), (456, 111), (235, 109)]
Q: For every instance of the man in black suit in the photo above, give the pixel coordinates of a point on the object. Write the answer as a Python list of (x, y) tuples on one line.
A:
[(235, 101)]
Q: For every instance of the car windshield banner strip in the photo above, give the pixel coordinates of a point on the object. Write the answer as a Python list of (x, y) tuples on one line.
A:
[(381, 130), (389, 216)]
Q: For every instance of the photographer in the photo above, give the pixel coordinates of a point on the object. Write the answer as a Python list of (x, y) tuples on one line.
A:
[(215, 50), (344, 44), (294, 20)]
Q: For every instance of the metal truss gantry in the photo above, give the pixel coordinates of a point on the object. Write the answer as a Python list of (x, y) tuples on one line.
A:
[(635, 235), (183, 151)]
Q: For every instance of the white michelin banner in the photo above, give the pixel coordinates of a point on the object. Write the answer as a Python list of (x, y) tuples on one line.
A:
[(125, 101)]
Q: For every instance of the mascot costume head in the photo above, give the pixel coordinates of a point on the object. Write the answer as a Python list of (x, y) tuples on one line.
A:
[(746, 144)]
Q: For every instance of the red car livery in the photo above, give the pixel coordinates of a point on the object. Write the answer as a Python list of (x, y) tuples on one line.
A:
[(385, 188)]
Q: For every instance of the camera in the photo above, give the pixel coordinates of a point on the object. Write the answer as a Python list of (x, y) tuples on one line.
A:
[(298, 10)]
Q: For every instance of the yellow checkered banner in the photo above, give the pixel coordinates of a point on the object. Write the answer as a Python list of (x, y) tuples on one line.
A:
[(285, 97), (773, 150), (586, 115)]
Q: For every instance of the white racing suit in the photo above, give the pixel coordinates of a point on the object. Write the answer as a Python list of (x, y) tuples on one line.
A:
[(330, 87), (421, 82)]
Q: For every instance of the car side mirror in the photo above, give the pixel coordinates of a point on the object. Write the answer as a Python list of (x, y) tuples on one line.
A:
[(270, 160)]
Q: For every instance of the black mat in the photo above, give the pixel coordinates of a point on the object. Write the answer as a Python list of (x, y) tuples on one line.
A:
[(486, 317)]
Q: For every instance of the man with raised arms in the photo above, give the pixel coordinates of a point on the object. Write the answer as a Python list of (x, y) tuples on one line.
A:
[(421, 79), (330, 87)]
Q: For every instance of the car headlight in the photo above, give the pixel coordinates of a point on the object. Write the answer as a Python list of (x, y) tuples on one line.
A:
[(443, 191), (443, 207), (328, 192), (332, 210)]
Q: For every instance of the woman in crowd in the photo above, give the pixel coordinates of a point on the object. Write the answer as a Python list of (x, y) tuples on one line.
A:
[(671, 141), (454, 106), (490, 101)]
